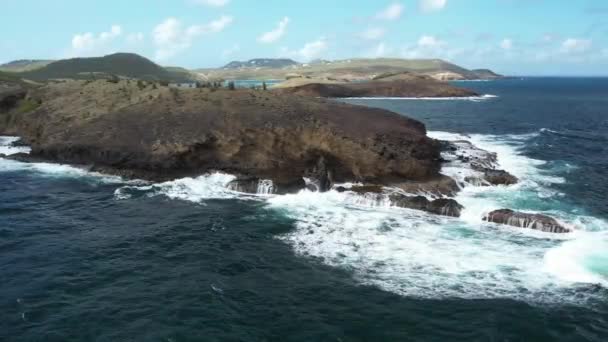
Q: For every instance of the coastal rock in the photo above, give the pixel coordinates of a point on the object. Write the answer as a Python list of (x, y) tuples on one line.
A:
[(259, 186), (499, 177), (524, 220), (465, 152), (483, 162), (379, 194), (424, 87), (25, 158), (442, 206), (159, 133)]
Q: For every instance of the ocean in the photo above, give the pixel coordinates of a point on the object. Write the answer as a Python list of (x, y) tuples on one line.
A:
[(91, 257)]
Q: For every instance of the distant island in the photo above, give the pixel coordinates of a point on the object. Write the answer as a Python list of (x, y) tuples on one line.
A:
[(135, 66), (347, 70)]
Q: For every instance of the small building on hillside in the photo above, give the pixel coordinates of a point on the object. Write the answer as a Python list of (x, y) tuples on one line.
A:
[(183, 85)]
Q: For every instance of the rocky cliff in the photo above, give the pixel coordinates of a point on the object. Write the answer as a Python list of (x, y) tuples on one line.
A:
[(411, 87), (144, 130)]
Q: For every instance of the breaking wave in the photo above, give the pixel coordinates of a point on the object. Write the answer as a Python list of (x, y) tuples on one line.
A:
[(413, 253), (461, 98), (49, 170)]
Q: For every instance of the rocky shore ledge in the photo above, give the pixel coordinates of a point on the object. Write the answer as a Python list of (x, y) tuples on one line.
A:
[(423, 87), (139, 129), (275, 143)]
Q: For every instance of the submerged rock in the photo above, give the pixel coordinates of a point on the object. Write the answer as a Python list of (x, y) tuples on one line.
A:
[(253, 185), (524, 220), (499, 177), (493, 177), (483, 163), (442, 206)]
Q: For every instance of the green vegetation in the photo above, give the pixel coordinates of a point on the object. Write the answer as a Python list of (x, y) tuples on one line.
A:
[(120, 64), (26, 106), (24, 65), (9, 77), (361, 67)]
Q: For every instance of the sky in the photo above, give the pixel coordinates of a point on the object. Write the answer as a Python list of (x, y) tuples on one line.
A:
[(514, 37)]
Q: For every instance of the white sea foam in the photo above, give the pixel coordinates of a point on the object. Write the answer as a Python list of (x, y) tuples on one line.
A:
[(7, 148), (413, 253), (461, 98), (417, 254), (48, 169), (583, 260), (211, 186)]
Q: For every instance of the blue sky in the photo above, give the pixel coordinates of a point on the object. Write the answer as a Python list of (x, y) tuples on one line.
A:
[(521, 37)]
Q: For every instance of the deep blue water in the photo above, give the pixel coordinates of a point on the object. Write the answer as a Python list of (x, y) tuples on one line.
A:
[(89, 258)]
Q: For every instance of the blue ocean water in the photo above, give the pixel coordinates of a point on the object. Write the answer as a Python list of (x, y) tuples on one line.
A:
[(88, 257)]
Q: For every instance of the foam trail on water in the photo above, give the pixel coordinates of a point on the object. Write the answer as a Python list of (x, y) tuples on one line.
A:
[(461, 98), (583, 260), (413, 253), (417, 254), (199, 189), (50, 170), (7, 148)]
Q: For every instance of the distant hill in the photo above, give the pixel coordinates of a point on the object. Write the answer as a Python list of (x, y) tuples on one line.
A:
[(25, 65), (9, 77), (486, 74), (119, 64), (261, 63), (348, 69)]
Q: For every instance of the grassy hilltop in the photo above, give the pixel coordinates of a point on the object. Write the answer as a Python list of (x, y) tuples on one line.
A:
[(350, 69), (120, 64)]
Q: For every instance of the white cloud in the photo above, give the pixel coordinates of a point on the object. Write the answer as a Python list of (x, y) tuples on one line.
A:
[(428, 6), (231, 51), (380, 50), (314, 49), (171, 38), (89, 44), (392, 12), (372, 33), (574, 45), (506, 44), (429, 46), (212, 3), (311, 50), (276, 34), (429, 42), (135, 38)]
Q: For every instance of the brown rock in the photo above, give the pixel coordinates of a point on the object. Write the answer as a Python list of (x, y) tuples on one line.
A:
[(442, 206), (424, 87), (160, 133), (523, 220), (499, 177)]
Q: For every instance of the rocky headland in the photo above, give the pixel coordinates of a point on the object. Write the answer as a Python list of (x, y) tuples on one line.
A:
[(274, 142), (388, 85), (140, 129)]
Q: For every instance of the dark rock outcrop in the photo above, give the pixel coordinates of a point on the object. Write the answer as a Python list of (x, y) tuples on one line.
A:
[(442, 206), (158, 133), (425, 87), (482, 161), (253, 185), (499, 177), (524, 220)]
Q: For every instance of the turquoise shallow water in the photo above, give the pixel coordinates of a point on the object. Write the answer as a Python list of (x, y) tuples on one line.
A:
[(86, 257)]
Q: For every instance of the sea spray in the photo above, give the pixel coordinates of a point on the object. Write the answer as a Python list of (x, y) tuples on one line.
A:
[(413, 253)]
